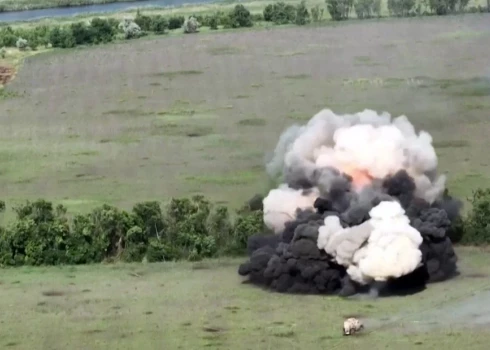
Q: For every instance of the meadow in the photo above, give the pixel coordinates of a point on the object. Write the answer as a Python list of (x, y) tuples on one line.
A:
[(205, 305), (196, 114)]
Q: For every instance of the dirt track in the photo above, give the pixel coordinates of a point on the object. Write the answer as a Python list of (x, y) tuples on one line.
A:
[(6, 74)]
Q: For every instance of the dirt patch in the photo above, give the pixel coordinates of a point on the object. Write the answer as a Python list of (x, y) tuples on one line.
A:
[(93, 331), (6, 74), (53, 293), (212, 329), (476, 275)]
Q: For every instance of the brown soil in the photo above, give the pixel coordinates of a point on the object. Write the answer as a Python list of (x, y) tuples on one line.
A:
[(6, 74)]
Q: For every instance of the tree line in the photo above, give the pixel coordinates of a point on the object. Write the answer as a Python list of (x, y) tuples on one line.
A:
[(184, 229), (103, 30)]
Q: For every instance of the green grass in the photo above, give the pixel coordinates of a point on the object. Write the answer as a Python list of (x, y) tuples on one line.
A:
[(205, 305), (161, 128), (175, 74), (90, 139), (297, 76), (226, 179), (224, 50), (252, 122)]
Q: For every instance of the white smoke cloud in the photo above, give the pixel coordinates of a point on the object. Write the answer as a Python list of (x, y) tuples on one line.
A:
[(365, 145), (281, 204), (384, 247)]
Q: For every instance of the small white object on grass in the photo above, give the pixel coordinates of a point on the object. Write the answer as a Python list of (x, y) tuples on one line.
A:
[(352, 325)]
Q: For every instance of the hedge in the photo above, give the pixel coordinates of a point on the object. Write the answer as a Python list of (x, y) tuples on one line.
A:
[(185, 229), (99, 30), (188, 228)]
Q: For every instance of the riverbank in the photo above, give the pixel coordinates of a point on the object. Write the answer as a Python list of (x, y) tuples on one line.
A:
[(39, 32), (27, 5), (198, 8), (104, 7)]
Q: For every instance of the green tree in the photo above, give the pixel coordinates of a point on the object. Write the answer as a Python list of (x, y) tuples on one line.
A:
[(367, 8), (240, 17), (159, 24), (62, 37), (400, 8), (339, 9), (103, 30), (477, 223), (302, 14), (317, 13)]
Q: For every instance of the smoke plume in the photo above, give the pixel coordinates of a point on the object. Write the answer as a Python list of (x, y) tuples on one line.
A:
[(359, 205)]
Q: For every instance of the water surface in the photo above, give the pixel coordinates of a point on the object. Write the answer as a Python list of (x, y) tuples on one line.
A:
[(30, 15)]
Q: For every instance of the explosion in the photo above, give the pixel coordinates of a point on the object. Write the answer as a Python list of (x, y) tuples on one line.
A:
[(360, 207)]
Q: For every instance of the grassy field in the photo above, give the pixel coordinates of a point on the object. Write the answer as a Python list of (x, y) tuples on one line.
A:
[(179, 115), (22, 5), (191, 114), (205, 305)]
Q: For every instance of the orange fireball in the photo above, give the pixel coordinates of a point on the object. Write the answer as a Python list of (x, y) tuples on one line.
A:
[(360, 178)]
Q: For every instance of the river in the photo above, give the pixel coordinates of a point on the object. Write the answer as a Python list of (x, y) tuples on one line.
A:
[(100, 8)]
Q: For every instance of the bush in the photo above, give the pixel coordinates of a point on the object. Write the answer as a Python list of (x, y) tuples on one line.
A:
[(246, 225), (159, 24), (82, 33), (130, 29), (317, 14), (400, 8), (443, 7), (38, 36), (280, 13), (21, 44), (144, 22), (477, 222), (7, 37), (37, 237), (189, 228), (62, 37), (213, 22), (302, 14), (339, 9), (479, 9), (191, 25), (367, 8), (240, 17), (3, 54), (176, 22), (268, 13), (103, 30), (462, 4), (257, 17)]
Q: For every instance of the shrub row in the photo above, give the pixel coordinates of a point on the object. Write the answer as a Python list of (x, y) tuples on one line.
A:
[(99, 30), (475, 228), (188, 228), (341, 9)]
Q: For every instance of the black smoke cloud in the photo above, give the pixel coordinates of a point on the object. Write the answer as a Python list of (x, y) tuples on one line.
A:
[(336, 172), (290, 262)]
